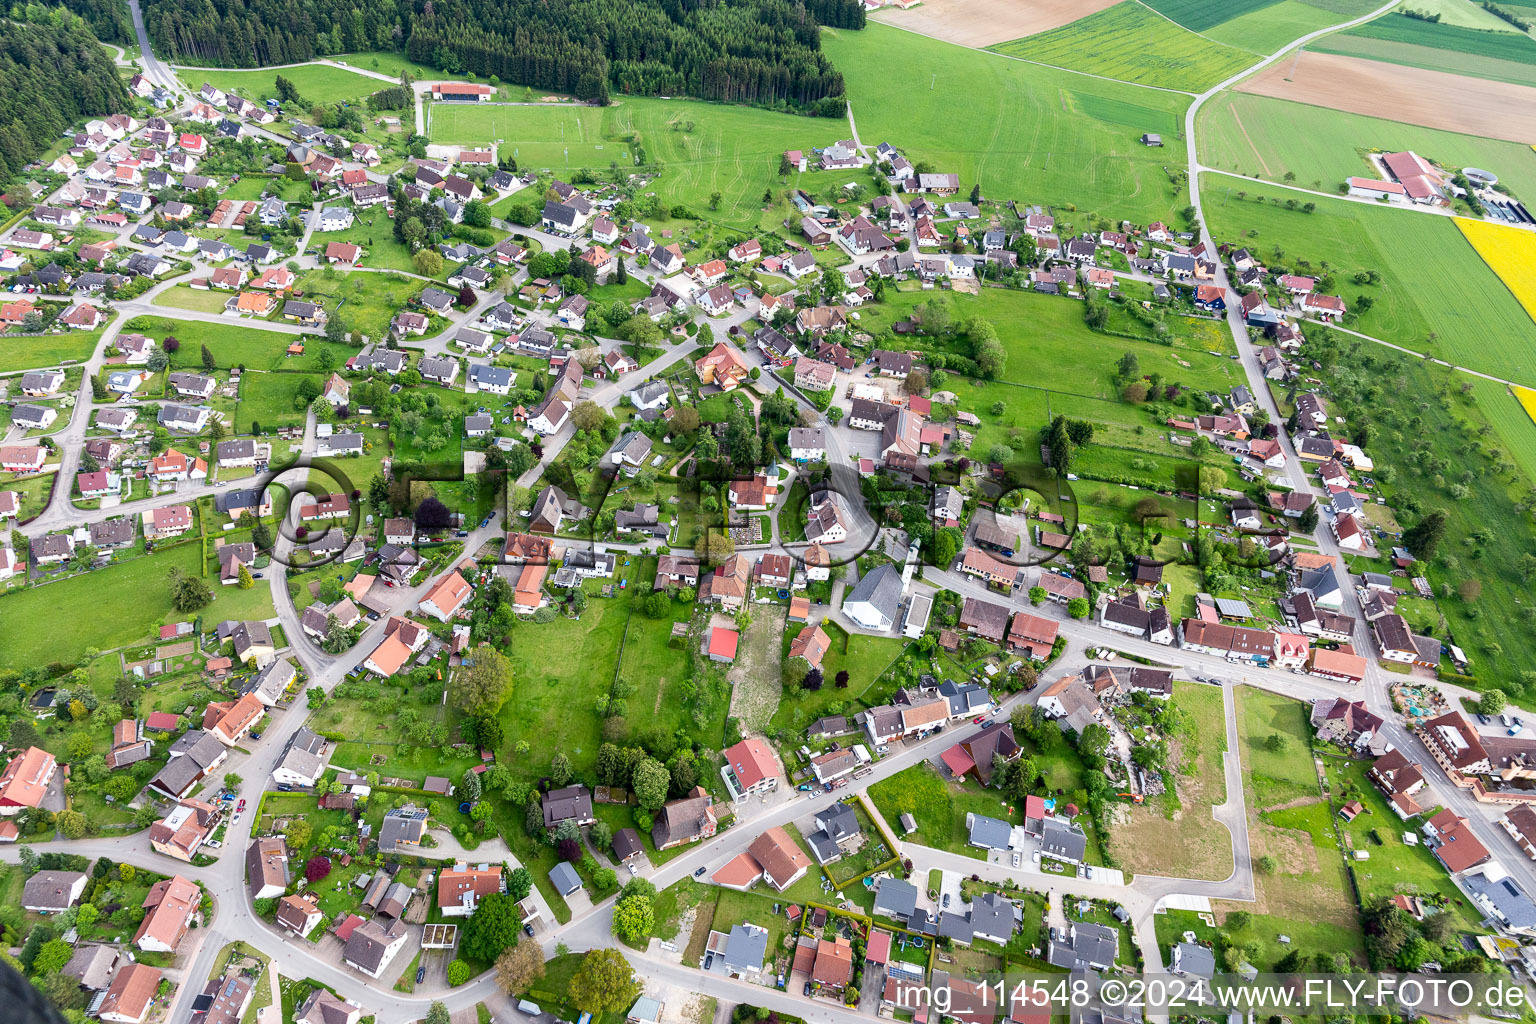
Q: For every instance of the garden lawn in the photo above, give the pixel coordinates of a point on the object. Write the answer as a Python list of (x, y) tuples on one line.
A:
[(317, 83), (864, 658), (230, 602), (1393, 866), (1431, 278), (271, 400), (939, 807), (46, 350), (552, 991), (658, 670), (104, 608), (365, 302), (1278, 775), (1022, 131), (205, 300), (1132, 43), (560, 667), (375, 233), (750, 908), (703, 147), (235, 345)]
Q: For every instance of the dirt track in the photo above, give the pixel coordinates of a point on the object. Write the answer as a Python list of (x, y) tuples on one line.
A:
[(985, 22), (1434, 99)]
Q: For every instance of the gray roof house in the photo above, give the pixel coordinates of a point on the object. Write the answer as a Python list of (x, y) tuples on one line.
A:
[(93, 965), (1063, 840), (402, 829), (1503, 901), (565, 879), (988, 833), (994, 917), (895, 898), (838, 824), (573, 803), (1085, 945), (52, 892), (1193, 959), (745, 948)]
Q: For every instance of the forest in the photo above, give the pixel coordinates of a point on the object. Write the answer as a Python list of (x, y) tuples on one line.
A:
[(53, 73), (765, 52)]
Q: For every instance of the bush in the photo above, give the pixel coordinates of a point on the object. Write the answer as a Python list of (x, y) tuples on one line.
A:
[(458, 972)]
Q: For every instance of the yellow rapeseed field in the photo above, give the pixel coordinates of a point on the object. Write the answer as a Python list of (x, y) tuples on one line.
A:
[(1511, 253), (1527, 399)]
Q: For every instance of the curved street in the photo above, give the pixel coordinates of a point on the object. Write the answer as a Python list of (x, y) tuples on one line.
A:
[(235, 916)]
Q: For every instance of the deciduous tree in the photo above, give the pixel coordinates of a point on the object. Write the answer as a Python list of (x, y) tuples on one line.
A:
[(603, 983)]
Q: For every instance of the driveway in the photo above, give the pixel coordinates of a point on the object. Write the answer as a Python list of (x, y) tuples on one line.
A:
[(871, 988)]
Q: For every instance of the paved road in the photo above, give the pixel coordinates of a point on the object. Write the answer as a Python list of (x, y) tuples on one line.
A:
[(592, 928), (154, 70)]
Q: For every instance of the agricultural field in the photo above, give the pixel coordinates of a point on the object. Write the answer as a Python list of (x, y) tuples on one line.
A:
[(1025, 132), (1260, 136), (1132, 43), (1202, 16), (1431, 280), (702, 147), (1513, 415), (1277, 25), (984, 22), (1501, 56), (315, 82), (1509, 252), (1435, 99)]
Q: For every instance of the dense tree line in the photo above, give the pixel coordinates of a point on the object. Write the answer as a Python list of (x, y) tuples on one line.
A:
[(52, 74), (107, 18), (742, 51)]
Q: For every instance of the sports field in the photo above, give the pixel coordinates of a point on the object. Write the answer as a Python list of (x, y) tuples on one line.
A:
[(1264, 136), (553, 136), (1413, 42), (701, 147), (1024, 132), (1133, 43), (1431, 278), (315, 82)]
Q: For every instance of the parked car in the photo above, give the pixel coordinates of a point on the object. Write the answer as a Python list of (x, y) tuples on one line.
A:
[(421, 974), (699, 872)]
